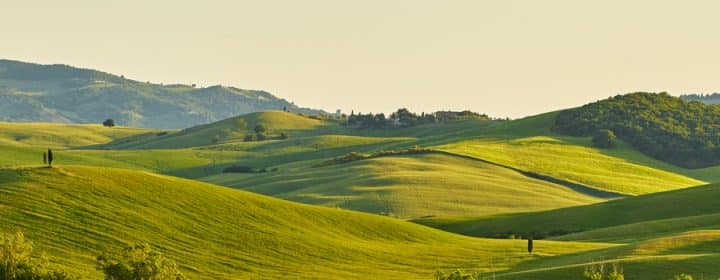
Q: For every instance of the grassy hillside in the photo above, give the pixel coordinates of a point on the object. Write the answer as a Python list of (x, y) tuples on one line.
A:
[(61, 135), (653, 207), (691, 252), (410, 187), (73, 213), (228, 130), (528, 145)]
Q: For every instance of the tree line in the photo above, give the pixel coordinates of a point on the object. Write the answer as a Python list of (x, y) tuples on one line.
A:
[(684, 133), (405, 118)]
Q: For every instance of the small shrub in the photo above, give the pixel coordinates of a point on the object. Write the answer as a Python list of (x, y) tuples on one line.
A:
[(284, 135), (138, 262), (597, 272), (457, 275), (260, 129), (249, 137), (683, 276), (260, 136)]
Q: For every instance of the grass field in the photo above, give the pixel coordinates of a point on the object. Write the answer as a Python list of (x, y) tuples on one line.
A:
[(529, 145), (410, 187), (692, 252), (73, 213), (52, 135), (525, 145), (665, 206)]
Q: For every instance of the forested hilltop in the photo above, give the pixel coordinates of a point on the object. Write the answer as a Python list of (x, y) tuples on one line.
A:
[(684, 133), (60, 93)]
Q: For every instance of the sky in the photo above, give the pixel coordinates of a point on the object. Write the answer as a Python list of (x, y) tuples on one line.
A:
[(505, 58)]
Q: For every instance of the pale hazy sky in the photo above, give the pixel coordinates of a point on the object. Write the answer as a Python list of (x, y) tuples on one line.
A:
[(505, 58)]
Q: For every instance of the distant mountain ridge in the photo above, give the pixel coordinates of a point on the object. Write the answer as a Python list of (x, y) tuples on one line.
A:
[(60, 93)]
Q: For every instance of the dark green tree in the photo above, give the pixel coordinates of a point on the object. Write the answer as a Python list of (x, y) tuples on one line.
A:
[(260, 128), (604, 138), (530, 244), (49, 157), (109, 123)]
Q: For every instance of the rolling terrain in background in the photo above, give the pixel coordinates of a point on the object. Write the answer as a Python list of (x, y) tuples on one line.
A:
[(60, 93), (482, 178)]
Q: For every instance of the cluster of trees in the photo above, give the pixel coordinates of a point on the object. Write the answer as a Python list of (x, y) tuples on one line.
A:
[(684, 133), (404, 118), (136, 262)]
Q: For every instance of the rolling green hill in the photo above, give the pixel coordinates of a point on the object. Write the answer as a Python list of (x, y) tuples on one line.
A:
[(411, 187), (665, 207), (228, 130), (60, 93), (74, 213), (529, 145), (61, 135), (691, 252)]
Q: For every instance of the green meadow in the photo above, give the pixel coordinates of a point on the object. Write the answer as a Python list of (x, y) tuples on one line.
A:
[(73, 213), (401, 216)]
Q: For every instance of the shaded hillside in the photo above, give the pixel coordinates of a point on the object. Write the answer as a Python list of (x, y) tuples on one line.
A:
[(683, 133), (75, 213), (61, 93), (652, 207)]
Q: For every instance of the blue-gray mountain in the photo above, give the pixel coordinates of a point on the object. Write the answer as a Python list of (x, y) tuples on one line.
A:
[(60, 93)]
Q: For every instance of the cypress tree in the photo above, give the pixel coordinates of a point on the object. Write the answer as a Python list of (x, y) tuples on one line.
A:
[(49, 157), (530, 244)]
